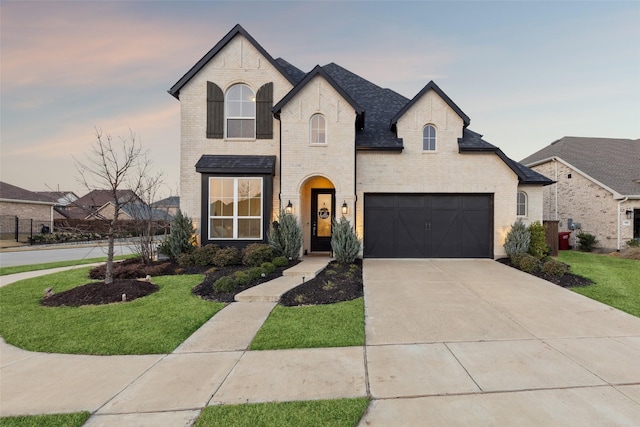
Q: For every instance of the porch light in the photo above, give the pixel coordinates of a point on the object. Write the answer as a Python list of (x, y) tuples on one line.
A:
[(345, 208), (629, 213), (289, 208)]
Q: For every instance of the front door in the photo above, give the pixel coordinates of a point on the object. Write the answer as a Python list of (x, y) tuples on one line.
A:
[(323, 205)]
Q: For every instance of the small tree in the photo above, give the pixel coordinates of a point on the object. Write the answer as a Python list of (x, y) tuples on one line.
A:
[(344, 242), (285, 236), (538, 240), (517, 240), (182, 238)]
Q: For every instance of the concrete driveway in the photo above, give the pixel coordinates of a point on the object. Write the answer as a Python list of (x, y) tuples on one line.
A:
[(473, 342)]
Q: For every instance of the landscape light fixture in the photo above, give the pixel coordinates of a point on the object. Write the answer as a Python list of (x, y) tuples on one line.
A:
[(289, 208), (345, 208)]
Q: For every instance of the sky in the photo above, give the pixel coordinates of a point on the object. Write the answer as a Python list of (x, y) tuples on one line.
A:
[(526, 72)]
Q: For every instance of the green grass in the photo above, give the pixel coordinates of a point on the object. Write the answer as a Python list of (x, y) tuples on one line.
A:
[(45, 266), (56, 420), (616, 280), (326, 413), (330, 325), (155, 324)]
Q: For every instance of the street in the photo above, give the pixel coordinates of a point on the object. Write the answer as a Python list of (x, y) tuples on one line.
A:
[(24, 256)]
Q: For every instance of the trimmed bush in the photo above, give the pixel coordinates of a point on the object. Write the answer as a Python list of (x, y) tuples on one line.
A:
[(344, 242), (528, 263), (586, 242), (633, 243), (256, 253), (517, 240), (268, 267), (241, 278), (280, 261), (204, 254), (554, 268), (256, 273), (227, 256), (182, 238), (224, 285), (285, 236), (537, 240)]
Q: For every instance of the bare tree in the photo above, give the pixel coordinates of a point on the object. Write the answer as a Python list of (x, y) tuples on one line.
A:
[(147, 219), (114, 167)]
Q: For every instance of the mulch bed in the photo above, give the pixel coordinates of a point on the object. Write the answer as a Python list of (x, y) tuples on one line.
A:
[(101, 293), (568, 280)]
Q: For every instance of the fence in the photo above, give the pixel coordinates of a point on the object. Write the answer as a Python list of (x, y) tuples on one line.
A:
[(22, 229)]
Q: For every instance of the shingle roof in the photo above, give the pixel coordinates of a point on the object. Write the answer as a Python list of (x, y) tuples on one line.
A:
[(11, 192), (97, 198), (168, 201), (236, 164), (613, 162), (294, 72)]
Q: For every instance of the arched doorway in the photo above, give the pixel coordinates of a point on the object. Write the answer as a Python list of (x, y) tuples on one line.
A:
[(318, 196)]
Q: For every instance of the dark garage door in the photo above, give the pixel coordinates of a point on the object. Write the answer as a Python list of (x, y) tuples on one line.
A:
[(428, 225)]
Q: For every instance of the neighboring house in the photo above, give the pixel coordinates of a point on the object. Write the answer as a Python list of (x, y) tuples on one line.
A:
[(597, 185), (100, 204), (170, 205), (24, 204), (62, 198), (259, 135)]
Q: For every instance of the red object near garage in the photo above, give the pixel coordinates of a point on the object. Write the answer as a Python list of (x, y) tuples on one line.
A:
[(563, 240)]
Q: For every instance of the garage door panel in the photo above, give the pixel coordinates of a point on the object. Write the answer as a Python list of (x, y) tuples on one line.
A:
[(379, 241), (410, 228), (475, 233), (445, 229)]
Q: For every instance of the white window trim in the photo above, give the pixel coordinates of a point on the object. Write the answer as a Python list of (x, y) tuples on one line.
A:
[(526, 204), (435, 143), (227, 118), (235, 209), (318, 144)]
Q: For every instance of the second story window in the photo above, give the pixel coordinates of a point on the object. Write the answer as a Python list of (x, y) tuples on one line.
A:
[(318, 130), (429, 138), (521, 205), (240, 112)]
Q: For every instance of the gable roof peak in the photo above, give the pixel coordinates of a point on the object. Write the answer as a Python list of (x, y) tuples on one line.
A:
[(237, 29), (431, 86)]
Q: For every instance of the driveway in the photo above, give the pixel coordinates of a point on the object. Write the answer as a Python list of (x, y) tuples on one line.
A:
[(473, 342)]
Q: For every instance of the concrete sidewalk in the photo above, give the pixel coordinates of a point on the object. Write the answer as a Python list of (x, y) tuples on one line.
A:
[(448, 342), (452, 342)]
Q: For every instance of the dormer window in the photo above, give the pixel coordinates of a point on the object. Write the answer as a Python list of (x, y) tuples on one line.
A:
[(318, 134), (240, 110), (429, 138)]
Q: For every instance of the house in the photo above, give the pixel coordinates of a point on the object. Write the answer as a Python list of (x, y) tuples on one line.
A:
[(259, 135), (100, 204), (62, 198), (25, 205), (597, 185), (168, 205)]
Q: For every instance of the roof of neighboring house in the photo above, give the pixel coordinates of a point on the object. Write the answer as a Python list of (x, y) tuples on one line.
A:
[(98, 198), (612, 162), (167, 202), (11, 192), (60, 196)]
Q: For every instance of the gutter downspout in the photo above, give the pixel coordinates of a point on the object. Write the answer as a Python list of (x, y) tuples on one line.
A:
[(555, 161), (277, 116), (620, 202)]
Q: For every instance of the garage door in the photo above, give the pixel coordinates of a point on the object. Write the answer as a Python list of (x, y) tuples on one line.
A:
[(428, 225)]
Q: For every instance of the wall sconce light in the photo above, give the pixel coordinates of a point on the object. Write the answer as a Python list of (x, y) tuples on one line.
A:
[(629, 214), (345, 208), (289, 208)]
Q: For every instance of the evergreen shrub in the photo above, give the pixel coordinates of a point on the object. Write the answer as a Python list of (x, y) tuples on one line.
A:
[(517, 240), (285, 236), (344, 242)]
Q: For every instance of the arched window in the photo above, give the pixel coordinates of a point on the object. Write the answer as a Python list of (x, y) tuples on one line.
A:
[(240, 112), (521, 209), (429, 138), (318, 129)]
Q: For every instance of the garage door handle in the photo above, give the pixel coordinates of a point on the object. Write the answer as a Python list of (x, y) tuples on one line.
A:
[(427, 226)]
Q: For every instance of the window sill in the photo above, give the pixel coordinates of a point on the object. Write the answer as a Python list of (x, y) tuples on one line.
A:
[(429, 151), (239, 140), (317, 145)]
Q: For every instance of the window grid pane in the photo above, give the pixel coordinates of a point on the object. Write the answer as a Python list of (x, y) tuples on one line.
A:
[(240, 112), (429, 138), (235, 208), (318, 129)]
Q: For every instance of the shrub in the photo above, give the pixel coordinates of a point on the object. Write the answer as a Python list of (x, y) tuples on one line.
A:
[(280, 261), (224, 285), (241, 278), (517, 240), (586, 241), (227, 256), (182, 238), (633, 243), (256, 273), (554, 268), (344, 242), (528, 263), (256, 253), (537, 240), (285, 236), (204, 255), (268, 267)]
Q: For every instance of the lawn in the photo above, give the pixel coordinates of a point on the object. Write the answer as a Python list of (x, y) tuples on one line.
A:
[(45, 266), (616, 280), (328, 325), (155, 324), (57, 420), (327, 413)]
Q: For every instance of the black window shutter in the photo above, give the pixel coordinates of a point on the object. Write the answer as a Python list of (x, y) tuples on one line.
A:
[(264, 117), (215, 111)]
